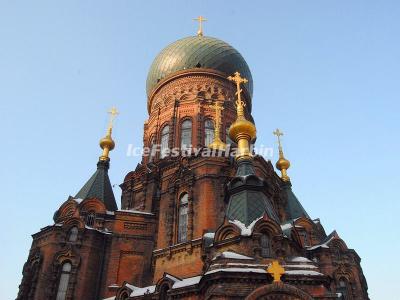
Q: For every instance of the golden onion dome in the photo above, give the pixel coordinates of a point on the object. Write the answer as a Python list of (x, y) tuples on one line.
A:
[(107, 142), (282, 164), (242, 128)]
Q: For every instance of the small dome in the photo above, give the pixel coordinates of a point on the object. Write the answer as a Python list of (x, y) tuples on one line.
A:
[(198, 52)]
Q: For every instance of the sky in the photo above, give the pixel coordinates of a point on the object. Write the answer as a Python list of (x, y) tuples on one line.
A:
[(325, 72)]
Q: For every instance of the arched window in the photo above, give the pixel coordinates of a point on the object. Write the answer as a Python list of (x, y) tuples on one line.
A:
[(73, 234), (304, 236), (164, 141), (152, 150), (228, 139), (208, 132), (183, 218), (164, 291), (186, 134), (342, 288), (265, 244), (64, 280), (90, 218)]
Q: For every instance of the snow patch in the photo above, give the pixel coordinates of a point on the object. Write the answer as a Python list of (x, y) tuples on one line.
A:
[(231, 255), (187, 282), (142, 291), (136, 211), (238, 270), (245, 230), (299, 259), (303, 272)]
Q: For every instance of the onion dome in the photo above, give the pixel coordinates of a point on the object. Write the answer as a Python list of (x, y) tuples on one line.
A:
[(198, 52)]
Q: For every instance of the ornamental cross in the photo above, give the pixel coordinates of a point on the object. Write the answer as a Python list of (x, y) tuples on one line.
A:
[(278, 133), (200, 19), (218, 108), (113, 114), (238, 80), (276, 270)]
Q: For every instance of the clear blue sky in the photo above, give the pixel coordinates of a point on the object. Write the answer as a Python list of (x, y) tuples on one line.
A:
[(325, 72)]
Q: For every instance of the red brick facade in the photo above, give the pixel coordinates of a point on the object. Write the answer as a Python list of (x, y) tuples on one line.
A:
[(136, 253)]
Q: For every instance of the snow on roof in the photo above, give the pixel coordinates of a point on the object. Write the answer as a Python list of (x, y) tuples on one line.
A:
[(245, 230), (105, 231), (136, 211), (142, 291), (132, 287), (78, 200), (323, 245), (173, 278), (231, 255), (303, 272), (299, 259), (187, 282), (237, 270), (111, 298), (302, 266), (286, 226), (209, 235), (108, 212)]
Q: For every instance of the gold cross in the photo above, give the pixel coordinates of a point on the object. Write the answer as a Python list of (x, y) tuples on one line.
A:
[(218, 108), (276, 270), (278, 133), (200, 19), (113, 114), (238, 80)]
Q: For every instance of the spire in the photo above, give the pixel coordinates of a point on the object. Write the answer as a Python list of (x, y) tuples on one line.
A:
[(217, 143), (247, 202), (107, 143), (241, 131), (200, 19), (282, 164), (99, 185)]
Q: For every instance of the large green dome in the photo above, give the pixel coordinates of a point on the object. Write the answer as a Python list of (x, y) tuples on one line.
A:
[(198, 52)]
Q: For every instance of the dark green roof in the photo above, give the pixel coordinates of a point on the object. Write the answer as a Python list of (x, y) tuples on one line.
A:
[(198, 52), (293, 208), (247, 202), (99, 186)]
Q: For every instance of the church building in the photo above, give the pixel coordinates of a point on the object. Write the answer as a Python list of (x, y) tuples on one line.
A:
[(201, 216)]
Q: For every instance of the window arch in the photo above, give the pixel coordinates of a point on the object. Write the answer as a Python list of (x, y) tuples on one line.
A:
[(343, 288), (183, 218), (305, 239), (208, 132), (90, 218), (73, 234), (64, 281), (152, 150), (164, 141), (164, 291), (265, 244), (228, 138), (186, 134)]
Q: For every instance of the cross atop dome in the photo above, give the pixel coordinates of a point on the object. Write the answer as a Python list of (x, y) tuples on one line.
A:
[(200, 19)]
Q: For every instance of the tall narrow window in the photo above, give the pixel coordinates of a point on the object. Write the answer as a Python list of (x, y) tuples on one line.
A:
[(228, 139), (208, 132), (183, 218), (265, 246), (342, 289), (90, 218), (304, 237), (73, 234), (64, 280), (164, 141), (186, 134), (152, 150)]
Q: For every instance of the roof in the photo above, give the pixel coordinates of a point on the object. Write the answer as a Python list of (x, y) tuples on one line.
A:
[(293, 207), (99, 186), (198, 52)]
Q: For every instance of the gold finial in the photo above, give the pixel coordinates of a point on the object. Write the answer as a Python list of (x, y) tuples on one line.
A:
[(200, 19), (276, 270), (217, 143), (241, 131), (107, 143), (282, 164)]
